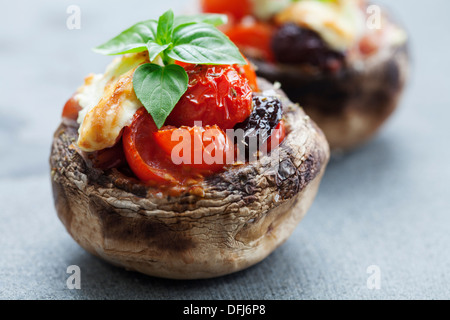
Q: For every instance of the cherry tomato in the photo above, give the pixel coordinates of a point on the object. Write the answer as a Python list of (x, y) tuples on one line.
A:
[(182, 64), (254, 38), (113, 157), (277, 136), (144, 156), (202, 148), (249, 73), (235, 8), (71, 109), (246, 71), (370, 43), (216, 95)]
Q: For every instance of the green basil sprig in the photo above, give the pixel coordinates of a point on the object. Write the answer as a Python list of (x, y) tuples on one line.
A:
[(190, 39)]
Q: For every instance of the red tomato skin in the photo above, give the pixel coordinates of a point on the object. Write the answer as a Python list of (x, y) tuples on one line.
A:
[(277, 136), (216, 95), (109, 158), (245, 70), (249, 73), (202, 139), (182, 64), (235, 8), (370, 43), (255, 38), (145, 158), (71, 109), (148, 152)]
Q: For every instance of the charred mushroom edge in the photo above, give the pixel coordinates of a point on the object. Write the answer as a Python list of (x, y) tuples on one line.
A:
[(240, 217), (351, 105)]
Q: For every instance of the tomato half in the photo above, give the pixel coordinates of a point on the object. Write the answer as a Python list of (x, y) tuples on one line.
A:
[(249, 73), (144, 156), (236, 8), (108, 158), (370, 42), (277, 136), (216, 95), (148, 150), (182, 64), (254, 38), (201, 148), (71, 109), (246, 71)]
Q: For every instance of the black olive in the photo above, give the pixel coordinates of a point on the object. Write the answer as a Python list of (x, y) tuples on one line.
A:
[(292, 44), (257, 128)]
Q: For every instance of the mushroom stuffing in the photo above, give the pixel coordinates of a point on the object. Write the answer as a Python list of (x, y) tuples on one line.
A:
[(178, 161)]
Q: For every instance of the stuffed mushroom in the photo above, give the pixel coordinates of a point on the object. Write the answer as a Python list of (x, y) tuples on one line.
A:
[(131, 190), (344, 61)]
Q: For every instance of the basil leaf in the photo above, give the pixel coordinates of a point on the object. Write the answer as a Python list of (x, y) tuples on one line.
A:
[(212, 19), (155, 49), (201, 43), (133, 39), (159, 88), (165, 28)]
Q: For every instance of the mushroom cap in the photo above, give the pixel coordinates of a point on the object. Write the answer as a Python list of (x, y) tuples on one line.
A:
[(233, 220), (351, 105)]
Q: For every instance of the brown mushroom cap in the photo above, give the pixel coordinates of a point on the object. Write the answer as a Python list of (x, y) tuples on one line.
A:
[(349, 106), (240, 216)]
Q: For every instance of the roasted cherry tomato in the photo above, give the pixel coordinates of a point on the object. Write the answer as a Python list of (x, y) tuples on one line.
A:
[(370, 42), (144, 156), (148, 150), (216, 95), (71, 109), (235, 8), (246, 71), (249, 73), (277, 136), (113, 157), (254, 38), (201, 148), (182, 64)]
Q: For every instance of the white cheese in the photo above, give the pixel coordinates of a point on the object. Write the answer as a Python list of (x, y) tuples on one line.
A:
[(108, 103), (265, 9), (340, 23)]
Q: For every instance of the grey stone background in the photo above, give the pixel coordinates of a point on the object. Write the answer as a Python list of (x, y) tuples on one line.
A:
[(386, 204)]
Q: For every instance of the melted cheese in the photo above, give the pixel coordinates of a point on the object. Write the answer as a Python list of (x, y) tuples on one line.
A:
[(265, 9), (108, 103), (340, 23)]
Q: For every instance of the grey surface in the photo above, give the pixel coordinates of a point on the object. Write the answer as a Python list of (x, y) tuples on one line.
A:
[(386, 204)]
